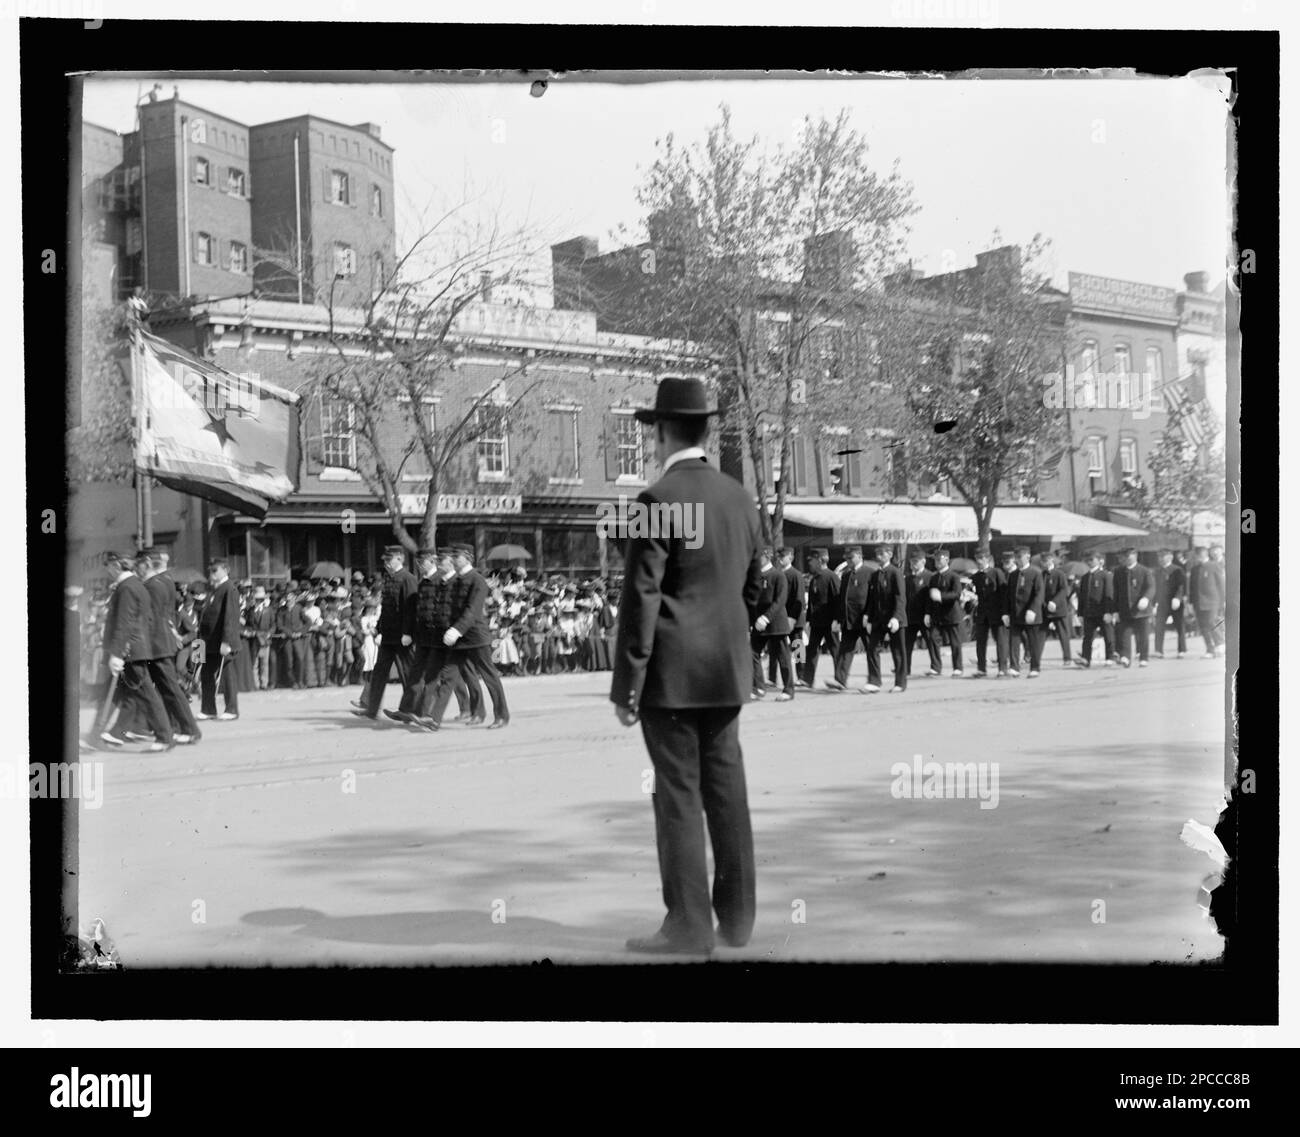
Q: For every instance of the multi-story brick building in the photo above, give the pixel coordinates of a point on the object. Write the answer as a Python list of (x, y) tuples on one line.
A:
[(341, 212), (542, 479)]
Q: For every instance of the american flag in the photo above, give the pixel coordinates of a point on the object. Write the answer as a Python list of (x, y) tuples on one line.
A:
[(1188, 415)]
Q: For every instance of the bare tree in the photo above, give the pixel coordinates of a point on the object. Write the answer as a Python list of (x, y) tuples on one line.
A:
[(394, 355)]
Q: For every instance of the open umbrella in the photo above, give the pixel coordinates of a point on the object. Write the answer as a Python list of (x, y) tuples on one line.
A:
[(962, 564), (323, 570), (185, 575), (508, 553)]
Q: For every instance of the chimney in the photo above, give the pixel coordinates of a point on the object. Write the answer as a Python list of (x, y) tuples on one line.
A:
[(371, 128), (567, 261), (1004, 259), (1197, 281), (830, 260)]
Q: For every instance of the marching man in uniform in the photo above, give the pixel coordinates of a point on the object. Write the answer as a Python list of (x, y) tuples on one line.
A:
[(395, 644), (945, 611), (916, 584), (823, 608), (1057, 612), (1135, 590), (1025, 590), (885, 616), (990, 585), (772, 629), (853, 602), (1097, 609), (1171, 591)]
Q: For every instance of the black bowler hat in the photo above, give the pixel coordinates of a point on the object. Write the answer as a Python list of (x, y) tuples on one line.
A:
[(678, 398)]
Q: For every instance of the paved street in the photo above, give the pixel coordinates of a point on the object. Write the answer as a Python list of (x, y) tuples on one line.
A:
[(537, 841)]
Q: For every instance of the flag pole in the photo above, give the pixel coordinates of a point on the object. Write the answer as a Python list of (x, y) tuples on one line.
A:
[(143, 482)]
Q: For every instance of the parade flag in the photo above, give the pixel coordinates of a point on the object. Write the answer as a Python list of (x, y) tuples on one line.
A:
[(232, 439), (1186, 412)]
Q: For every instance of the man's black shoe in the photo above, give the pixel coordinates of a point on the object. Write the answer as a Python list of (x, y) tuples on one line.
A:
[(726, 939), (475, 720), (363, 714), (399, 716), (659, 944), (497, 724)]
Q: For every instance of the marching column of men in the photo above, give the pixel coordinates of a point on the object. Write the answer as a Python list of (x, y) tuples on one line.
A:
[(443, 615)]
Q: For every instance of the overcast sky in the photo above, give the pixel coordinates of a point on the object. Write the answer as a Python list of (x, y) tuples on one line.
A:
[(1127, 177)]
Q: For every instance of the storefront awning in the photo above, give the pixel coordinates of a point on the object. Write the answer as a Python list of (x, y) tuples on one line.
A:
[(1047, 520), (1206, 525), (861, 521)]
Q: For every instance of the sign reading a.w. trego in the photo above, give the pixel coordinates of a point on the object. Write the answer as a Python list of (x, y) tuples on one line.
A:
[(462, 503), (1122, 297)]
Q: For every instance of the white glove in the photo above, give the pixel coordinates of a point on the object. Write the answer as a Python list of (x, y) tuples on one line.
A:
[(1006, 621), (1143, 604), (865, 624), (1051, 605), (115, 664), (935, 595), (1031, 617), (927, 621), (835, 627), (1175, 604), (450, 636), (893, 624), (406, 641), (761, 623)]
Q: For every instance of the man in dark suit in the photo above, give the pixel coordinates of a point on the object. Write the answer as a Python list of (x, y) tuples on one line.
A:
[(298, 629), (1171, 591), (164, 644), (823, 611), (945, 610), (128, 630), (916, 586), (682, 666), (1207, 591), (772, 629), (1135, 593), (794, 608), (990, 584), (469, 639), (399, 585), (220, 632), (1097, 610), (433, 664), (853, 602), (1025, 590), (885, 617), (1058, 616)]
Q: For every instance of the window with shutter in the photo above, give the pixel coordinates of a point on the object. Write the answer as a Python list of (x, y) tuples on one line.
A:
[(853, 472), (799, 463), (313, 446), (564, 443), (611, 448)]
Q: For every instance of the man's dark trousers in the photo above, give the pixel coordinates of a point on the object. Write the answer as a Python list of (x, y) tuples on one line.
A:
[(1091, 625), (1060, 628), (778, 649), (696, 755), (1031, 636), (163, 673), (208, 683), (138, 698), (474, 665), (1163, 616), (981, 631), (1130, 630), (874, 639), (817, 639), (849, 637), (390, 654), (920, 631)]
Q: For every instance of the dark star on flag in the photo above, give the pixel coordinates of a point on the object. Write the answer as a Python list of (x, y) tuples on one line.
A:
[(217, 424)]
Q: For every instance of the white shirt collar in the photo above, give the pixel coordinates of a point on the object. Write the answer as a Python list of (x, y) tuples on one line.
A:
[(467, 568), (122, 576), (682, 455)]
